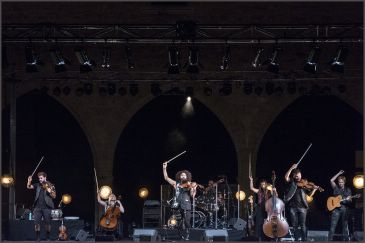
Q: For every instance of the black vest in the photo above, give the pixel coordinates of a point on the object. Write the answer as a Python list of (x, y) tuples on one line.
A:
[(292, 189), (47, 197)]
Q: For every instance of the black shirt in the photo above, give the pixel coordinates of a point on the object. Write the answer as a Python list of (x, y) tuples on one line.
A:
[(297, 201), (41, 202), (345, 192)]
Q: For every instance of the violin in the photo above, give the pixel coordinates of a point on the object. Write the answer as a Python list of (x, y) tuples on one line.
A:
[(46, 185), (303, 183), (190, 185), (62, 235)]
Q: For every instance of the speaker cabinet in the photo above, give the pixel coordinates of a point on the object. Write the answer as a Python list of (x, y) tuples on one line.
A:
[(81, 235), (215, 235), (144, 235)]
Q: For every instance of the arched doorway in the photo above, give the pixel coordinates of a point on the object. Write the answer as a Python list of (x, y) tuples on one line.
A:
[(334, 128), (158, 132), (46, 128)]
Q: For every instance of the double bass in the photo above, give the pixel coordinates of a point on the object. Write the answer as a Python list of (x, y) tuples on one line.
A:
[(275, 224), (109, 221)]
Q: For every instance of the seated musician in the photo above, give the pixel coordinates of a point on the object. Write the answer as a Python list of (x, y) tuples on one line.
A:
[(112, 202)]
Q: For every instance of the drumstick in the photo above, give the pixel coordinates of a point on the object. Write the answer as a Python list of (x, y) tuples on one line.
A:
[(37, 166), (175, 157), (96, 180), (310, 145)]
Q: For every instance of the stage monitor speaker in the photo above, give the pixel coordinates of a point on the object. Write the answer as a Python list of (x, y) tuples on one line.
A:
[(358, 235), (145, 235), (215, 235), (237, 223), (81, 235), (316, 235)]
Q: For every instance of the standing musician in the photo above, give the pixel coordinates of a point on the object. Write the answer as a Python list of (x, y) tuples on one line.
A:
[(341, 212), (263, 193), (43, 203), (113, 202), (184, 188), (298, 205), (210, 199)]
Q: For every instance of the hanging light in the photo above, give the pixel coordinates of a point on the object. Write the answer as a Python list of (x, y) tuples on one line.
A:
[(32, 60), (241, 195), (338, 62), (358, 181), (143, 192), (86, 63), (193, 60), (105, 192), (174, 61), (66, 199), (106, 57), (58, 60), (312, 60), (272, 63), (129, 55), (7, 180), (256, 62), (226, 58)]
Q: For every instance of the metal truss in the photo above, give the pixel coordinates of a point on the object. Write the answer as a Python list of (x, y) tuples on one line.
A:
[(172, 33)]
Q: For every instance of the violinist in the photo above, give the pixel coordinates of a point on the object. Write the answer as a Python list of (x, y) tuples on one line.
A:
[(341, 212), (298, 205), (113, 202), (43, 203), (184, 189), (263, 193)]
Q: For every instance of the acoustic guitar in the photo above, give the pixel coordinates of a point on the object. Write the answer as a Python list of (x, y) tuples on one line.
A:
[(335, 202)]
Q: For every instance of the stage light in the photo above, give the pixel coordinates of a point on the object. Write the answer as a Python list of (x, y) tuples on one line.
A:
[(106, 57), (312, 60), (58, 60), (143, 192), (86, 63), (66, 199), (247, 88), (174, 61), (226, 58), (88, 88), (309, 198), (7, 180), (57, 91), (193, 60), (31, 60), (155, 89), (188, 98), (241, 195), (66, 90), (172, 222), (105, 192), (338, 62), (133, 89), (208, 91), (122, 91), (256, 62), (273, 65), (358, 181), (226, 89), (129, 55)]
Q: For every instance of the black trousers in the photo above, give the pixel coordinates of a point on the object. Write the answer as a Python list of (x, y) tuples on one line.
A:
[(336, 215), (298, 217), (39, 212)]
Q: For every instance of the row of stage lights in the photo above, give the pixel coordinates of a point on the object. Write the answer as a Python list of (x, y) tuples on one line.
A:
[(193, 64), (269, 88)]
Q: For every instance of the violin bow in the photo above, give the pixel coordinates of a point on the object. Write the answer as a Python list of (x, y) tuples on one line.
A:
[(310, 145), (176, 157), (96, 180), (37, 166), (249, 166)]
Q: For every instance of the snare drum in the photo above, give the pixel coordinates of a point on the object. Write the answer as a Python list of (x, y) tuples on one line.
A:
[(56, 214)]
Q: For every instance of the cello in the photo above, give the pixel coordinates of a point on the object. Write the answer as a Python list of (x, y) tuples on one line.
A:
[(109, 221), (275, 224)]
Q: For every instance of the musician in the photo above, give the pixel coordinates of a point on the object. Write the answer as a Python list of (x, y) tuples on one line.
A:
[(298, 205), (263, 193), (112, 201), (341, 212), (210, 198), (184, 189), (43, 203)]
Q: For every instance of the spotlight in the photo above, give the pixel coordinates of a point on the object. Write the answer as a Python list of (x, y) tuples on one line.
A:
[(155, 89), (57, 91), (172, 222), (88, 88), (31, 60), (7, 180), (256, 62), (258, 90), (189, 91), (226, 89), (269, 87), (188, 99), (79, 92), (312, 60), (130, 61), (111, 89), (174, 64), (358, 181), (133, 89), (66, 199), (193, 61), (143, 193), (86, 63), (241, 195), (273, 65), (226, 58), (106, 57), (66, 90), (105, 192), (338, 62), (122, 91), (208, 91), (58, 60), (247, 88)]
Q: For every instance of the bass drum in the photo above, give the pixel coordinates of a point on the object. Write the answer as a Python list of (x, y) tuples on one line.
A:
[(197, 219)]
